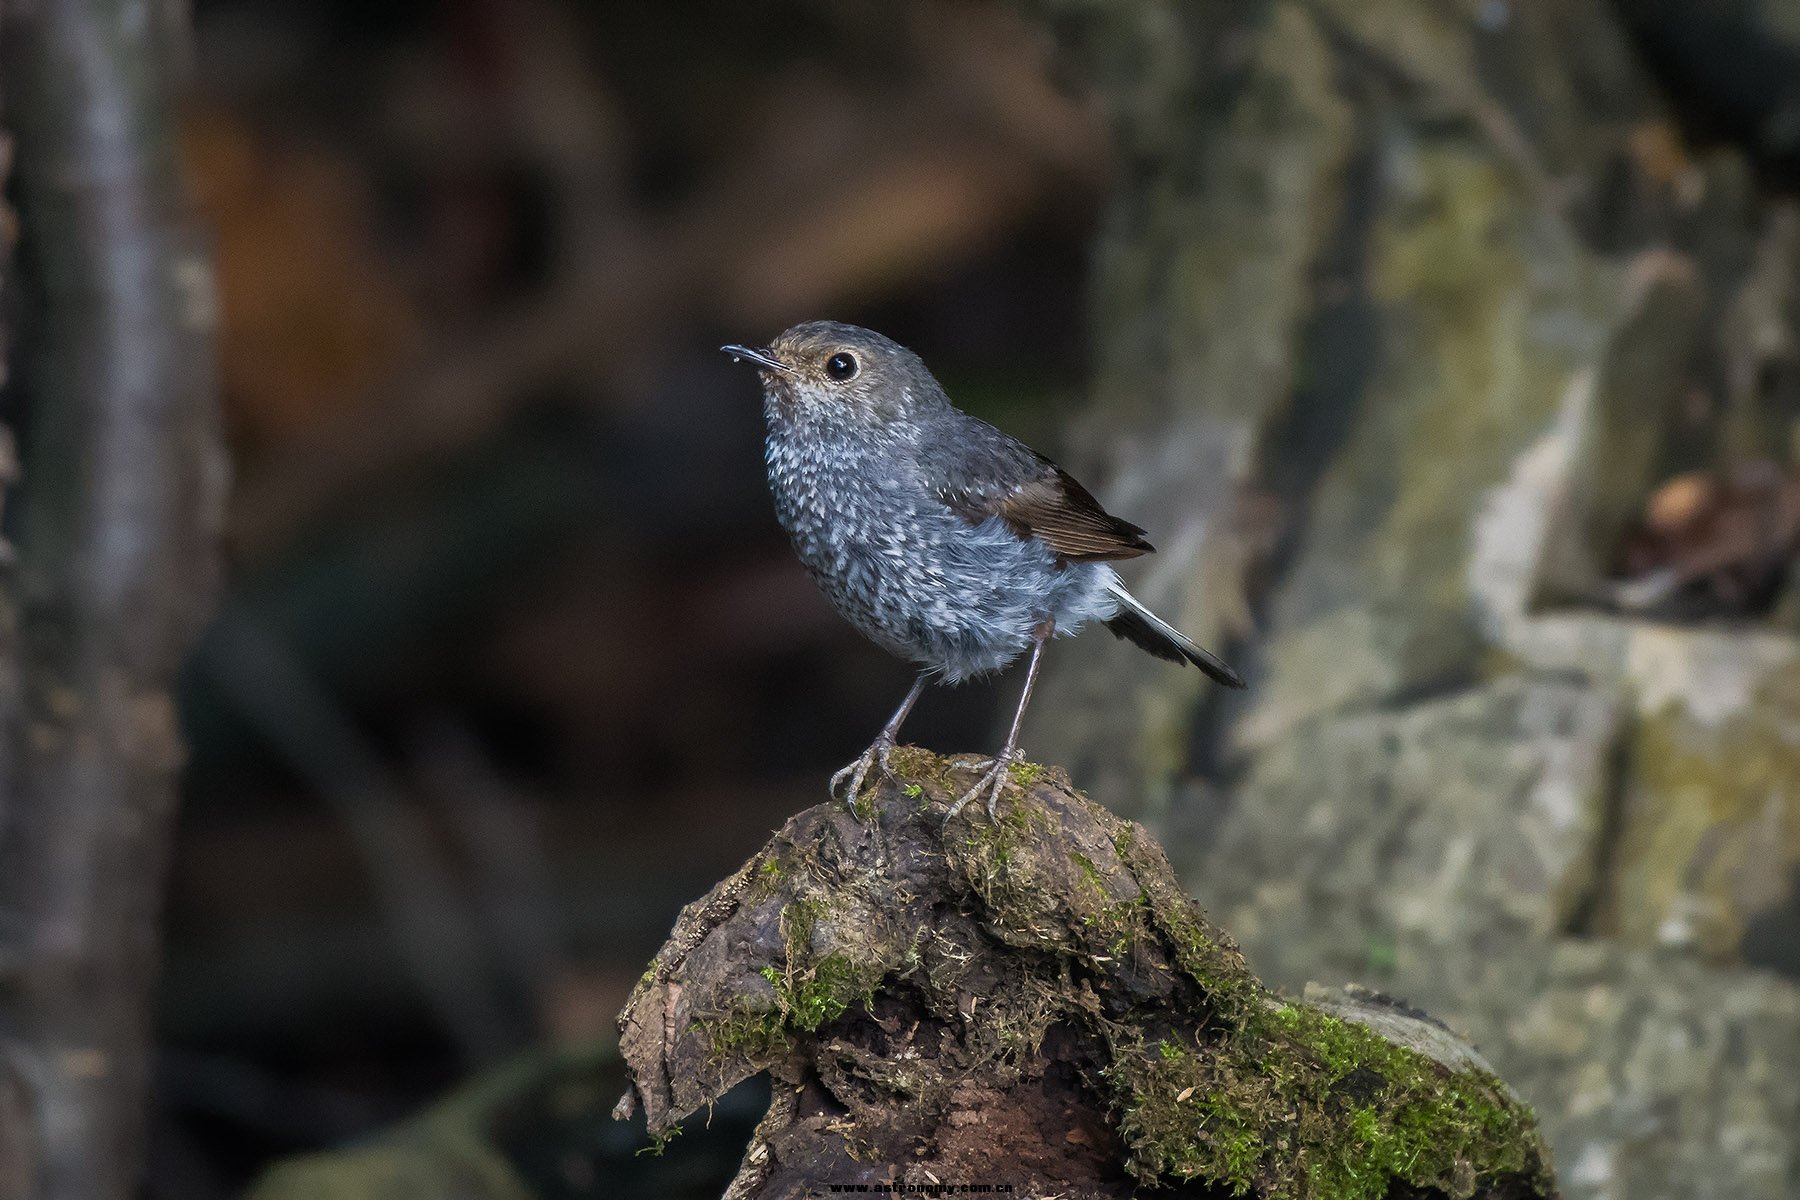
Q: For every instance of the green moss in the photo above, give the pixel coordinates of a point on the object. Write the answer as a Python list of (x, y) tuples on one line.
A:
[(1089, 871), (1004, 863), (775, 871), (822, 992), (1290, 1102), (765, 878), (1216, 966), (1304, 1105), (809, 990), (920, 767), (1119, 923), (812, 989), (746, 1033), (1240, 1146), (1025, 774), (659, 1142)]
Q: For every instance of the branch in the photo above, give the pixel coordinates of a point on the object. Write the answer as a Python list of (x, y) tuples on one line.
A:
[(122, 485)]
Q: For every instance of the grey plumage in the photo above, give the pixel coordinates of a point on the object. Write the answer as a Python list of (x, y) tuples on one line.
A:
[(935, 534)]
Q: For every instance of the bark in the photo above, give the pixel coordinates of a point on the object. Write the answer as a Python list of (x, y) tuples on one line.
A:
[(119, 500), (1034, 1002)]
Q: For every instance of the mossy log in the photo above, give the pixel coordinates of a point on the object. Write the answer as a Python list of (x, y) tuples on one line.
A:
[(1034, 1001)]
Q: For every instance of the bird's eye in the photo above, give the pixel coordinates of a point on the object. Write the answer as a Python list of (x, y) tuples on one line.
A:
[(841, 366)]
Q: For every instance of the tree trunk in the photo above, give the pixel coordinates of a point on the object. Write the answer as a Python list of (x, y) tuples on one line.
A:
[(118, 503)]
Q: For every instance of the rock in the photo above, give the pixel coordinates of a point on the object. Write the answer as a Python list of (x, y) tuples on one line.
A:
[(1444, 851), (1403, 312), (1658, 1076), (1368, 845)]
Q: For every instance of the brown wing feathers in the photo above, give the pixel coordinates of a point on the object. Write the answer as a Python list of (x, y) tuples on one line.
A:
[(1059, 512)]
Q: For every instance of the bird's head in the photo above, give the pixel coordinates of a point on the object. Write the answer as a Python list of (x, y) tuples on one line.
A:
[(837, 373)]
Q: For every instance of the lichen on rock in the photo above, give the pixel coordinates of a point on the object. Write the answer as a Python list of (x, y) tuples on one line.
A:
[(1034, 1001)]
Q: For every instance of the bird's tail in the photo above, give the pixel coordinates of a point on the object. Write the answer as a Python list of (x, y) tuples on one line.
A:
[(1149, 632)]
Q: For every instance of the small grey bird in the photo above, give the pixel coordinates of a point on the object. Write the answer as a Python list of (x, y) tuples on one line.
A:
[(942, 539)]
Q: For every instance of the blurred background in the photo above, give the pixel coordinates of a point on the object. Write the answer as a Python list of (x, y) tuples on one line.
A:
[(1448, 349), (512, 659)]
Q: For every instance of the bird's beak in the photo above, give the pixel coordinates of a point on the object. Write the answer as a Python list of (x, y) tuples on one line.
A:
[(760, 357)]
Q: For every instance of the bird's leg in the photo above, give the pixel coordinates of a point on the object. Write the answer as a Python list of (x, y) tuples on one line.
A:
[(877, 753), (993, 781)]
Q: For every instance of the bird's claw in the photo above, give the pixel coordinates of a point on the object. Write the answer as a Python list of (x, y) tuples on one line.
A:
[(876, 756), (993, 782)]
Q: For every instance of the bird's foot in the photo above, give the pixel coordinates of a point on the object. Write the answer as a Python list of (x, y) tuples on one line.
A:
[(993, 782), (857, 773)]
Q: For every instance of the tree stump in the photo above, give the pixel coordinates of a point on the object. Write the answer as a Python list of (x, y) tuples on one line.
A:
[(1033, 1002)]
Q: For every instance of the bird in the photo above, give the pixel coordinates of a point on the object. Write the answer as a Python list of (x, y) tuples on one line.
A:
[(941, 538)]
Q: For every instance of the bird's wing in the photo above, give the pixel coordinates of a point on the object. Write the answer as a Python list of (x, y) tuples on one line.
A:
[(981, 472)]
